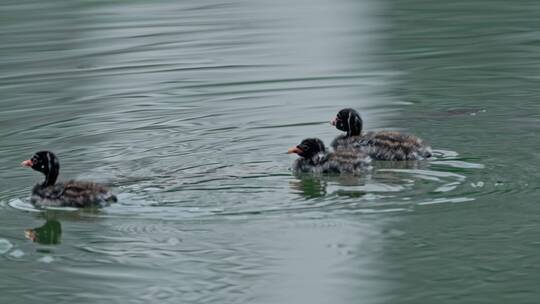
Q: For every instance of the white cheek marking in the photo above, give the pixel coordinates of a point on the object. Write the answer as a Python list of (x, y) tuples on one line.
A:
[(349, 122)]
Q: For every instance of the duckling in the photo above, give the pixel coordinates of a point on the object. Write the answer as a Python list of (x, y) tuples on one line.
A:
[(383, 145), (315, 159), (72, 193)]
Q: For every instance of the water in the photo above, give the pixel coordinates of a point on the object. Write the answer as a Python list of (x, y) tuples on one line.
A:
[(187, 109)]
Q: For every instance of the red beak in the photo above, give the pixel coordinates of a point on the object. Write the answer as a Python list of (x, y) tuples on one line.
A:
[(27, 163), (333, 121), (294, 150)]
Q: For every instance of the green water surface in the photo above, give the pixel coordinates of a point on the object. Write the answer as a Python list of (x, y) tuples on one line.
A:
[(188, 107)]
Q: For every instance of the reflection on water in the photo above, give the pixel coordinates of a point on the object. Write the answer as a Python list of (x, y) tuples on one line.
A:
[(309, 186), (48, 234), (391, 184), (186, 109)]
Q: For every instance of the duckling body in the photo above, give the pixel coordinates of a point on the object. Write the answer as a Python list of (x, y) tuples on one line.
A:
[(314, 159), (384, 145), (77, 194)]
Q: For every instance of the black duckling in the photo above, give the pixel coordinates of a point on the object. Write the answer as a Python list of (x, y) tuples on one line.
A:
[(384, 145), (67, 194), (315, 159)]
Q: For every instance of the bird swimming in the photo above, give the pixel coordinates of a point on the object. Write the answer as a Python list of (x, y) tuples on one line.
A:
[(72, 193), (313, 158), (383, 145)]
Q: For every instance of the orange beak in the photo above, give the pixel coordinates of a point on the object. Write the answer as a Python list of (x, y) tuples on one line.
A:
[(27, 163), (333, 121), (294, 150)]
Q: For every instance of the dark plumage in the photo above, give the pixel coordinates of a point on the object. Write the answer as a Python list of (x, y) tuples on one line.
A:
[(315, 159), (67, 194), (384, 145)]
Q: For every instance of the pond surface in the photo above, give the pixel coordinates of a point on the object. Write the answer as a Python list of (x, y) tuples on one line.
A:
[(187, 109)]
